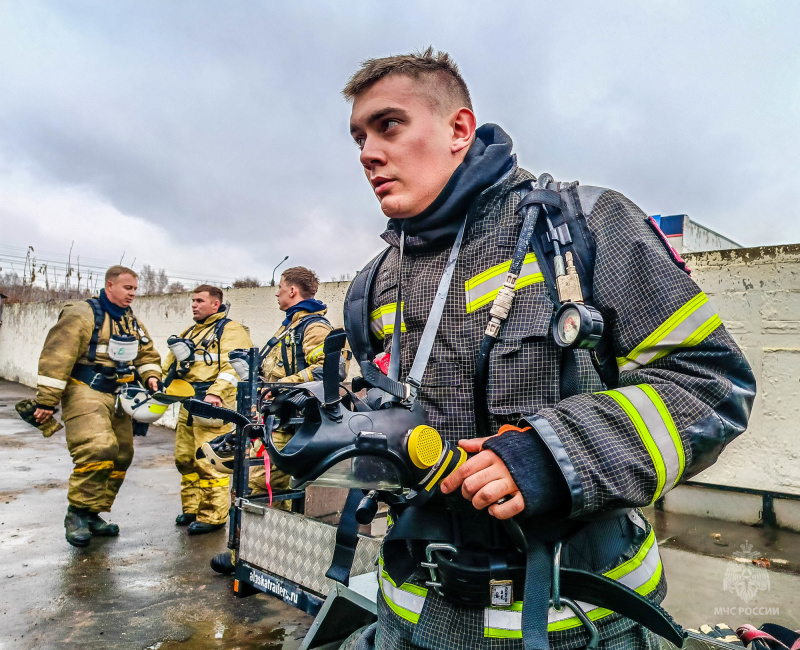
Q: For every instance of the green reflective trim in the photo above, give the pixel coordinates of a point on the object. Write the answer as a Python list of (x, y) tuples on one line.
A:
[(483, 288), (668, 325), (497, 633), (601, 612), (644, 434), (670, 424), (636, 561), (687, 327), (381, 320)]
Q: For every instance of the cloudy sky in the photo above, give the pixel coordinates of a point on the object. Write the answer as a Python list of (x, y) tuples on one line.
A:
[(210, 138)]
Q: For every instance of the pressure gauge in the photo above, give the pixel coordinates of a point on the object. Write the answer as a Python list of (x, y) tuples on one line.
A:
[(577, 326)]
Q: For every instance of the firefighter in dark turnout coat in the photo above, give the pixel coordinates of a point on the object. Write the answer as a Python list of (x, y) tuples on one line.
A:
[(684, 389)]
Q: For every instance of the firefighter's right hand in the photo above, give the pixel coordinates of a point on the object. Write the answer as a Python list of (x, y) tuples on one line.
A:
[(42, 415)]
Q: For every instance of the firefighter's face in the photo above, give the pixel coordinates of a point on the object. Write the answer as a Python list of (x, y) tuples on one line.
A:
[(122, 289), (203, 305), (288, 295), (409, 146)]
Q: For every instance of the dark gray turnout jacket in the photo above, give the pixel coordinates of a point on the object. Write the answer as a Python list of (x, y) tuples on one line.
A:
[(685, 389)]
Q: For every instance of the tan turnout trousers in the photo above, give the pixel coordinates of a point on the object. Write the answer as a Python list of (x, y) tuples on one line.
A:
[(205, 491), (100, 443)]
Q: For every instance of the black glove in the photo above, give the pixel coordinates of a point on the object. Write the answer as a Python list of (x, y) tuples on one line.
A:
[(140, 428)]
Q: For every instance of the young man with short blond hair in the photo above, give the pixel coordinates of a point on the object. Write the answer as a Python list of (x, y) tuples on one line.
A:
[(567, 460)]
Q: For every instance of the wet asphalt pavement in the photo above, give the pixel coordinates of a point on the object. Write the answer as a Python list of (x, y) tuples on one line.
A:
[(151, 587)]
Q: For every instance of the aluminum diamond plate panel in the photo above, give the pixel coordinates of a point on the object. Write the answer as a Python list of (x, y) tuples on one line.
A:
[(298, 548)]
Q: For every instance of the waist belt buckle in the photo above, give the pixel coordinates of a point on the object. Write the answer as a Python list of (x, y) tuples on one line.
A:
[(433, 566)]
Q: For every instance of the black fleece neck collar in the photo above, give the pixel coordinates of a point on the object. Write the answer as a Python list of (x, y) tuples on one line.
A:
[(114, 311), (487, 161)]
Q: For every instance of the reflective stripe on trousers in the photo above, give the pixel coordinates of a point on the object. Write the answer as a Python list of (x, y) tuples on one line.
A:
[(641, 573)]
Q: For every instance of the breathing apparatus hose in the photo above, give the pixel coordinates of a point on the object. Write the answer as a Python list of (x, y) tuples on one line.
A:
[(499, 312)]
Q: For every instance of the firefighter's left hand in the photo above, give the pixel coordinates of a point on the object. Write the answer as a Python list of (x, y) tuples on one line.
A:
[(152, 384), (213, 400), (485, 479)]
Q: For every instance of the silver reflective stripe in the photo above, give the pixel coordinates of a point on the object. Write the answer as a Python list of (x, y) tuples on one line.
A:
[(208, 356), (483, 288), (398, 597), (687, 327), (658, 431), (59, 384), (381, 320), (226, 376), (102, 348), (641, 575), (150, 367)]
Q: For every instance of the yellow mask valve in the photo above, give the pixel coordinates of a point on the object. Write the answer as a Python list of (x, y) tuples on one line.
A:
[(424, 446)]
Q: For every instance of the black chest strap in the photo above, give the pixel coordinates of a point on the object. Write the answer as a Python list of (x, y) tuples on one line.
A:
[(99, 319), (298, 362), (356, 310)]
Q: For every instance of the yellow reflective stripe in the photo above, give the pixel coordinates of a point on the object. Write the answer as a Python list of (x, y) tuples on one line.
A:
[(190, 478), (93, 467), (381, 320), (315, 354), (50, 382), (687, 327), (630, 565), (483, 288), (117, 474), (646, 437), (214, 482), (406, 600), (641, 573), (494, 271), (671, 428)]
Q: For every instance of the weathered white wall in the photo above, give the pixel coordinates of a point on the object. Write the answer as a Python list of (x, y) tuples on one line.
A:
[(757, 293), (697, 238), (25, 326), (755, 290)]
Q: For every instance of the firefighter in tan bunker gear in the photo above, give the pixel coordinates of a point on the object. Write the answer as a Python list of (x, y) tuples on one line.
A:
[(295, 355), (75, 368), (205, 492)]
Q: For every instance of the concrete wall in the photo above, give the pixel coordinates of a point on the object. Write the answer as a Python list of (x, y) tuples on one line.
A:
[(755, 290)]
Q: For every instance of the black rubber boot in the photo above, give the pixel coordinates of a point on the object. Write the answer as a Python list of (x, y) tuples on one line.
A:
[(98, 526), (201, 527), (185, 518), (223, 563), (77, 526)]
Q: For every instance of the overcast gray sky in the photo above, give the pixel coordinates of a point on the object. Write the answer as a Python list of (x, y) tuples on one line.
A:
[(210, 137)]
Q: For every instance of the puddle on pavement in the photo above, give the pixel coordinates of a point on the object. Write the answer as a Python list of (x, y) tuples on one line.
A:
[(725, 539), (238, 636)]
